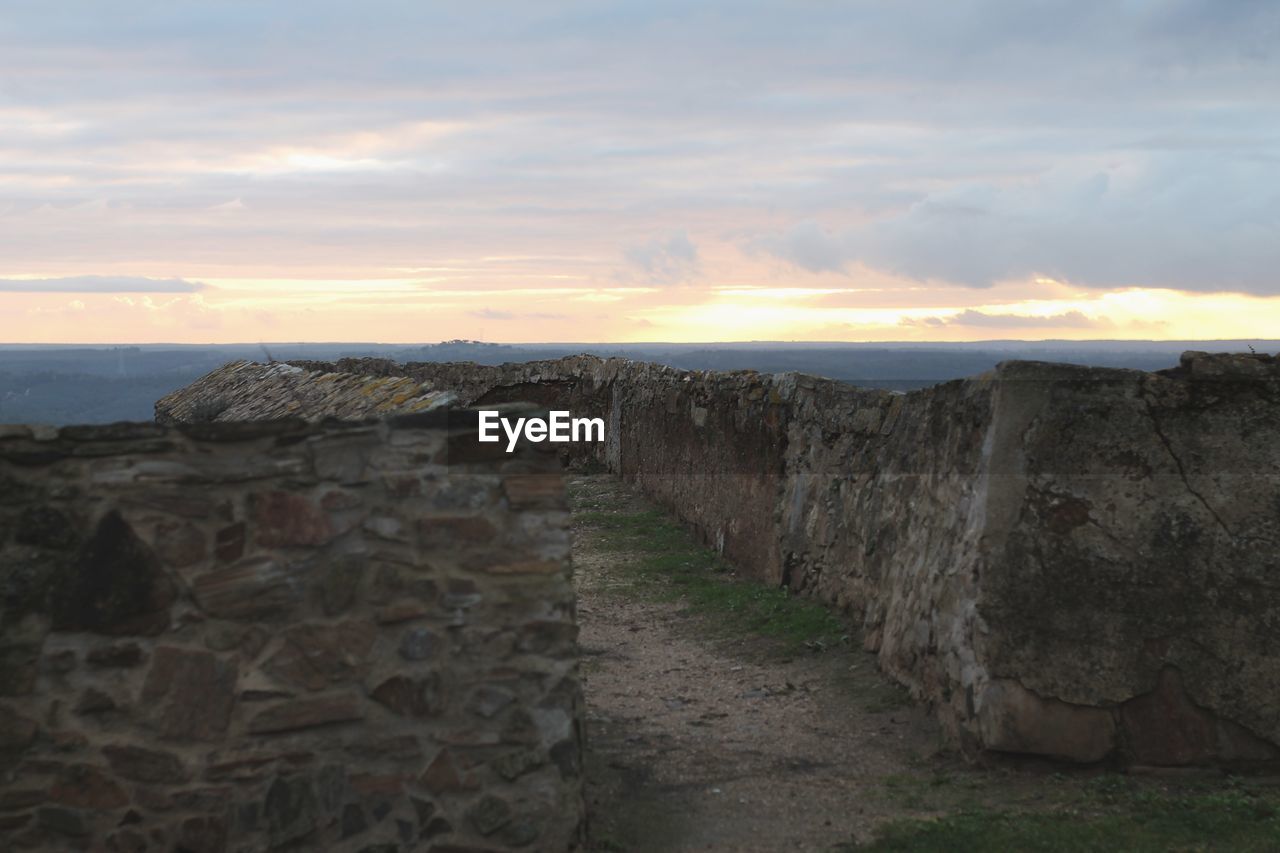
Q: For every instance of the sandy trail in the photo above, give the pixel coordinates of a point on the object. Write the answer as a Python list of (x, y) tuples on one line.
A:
[(697, 743)]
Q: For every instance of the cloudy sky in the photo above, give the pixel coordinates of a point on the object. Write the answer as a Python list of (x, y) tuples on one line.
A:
[(647, 170)]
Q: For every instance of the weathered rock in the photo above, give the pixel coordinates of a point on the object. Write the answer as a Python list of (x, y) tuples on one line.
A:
[(418, 644), (207, 735), (443, 775), (256, 588), (283, 518), (140, 764), (94, 701), (410, 697), (16, 731), (290, 809), (489, 814), (190, 693), (206, 834), (544, 491), (84, 786), (180, 544), (228, 543), (118, 655), (115, 586), (1013, 719), (62, 821), (317, 656), (306, 713), (46, 527), (488, 700)]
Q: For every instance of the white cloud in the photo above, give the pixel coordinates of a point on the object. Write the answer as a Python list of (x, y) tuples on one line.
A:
[(99, 284), (669, 259)]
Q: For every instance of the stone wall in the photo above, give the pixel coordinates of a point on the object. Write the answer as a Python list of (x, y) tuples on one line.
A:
[(263, 636), (1063, 561)]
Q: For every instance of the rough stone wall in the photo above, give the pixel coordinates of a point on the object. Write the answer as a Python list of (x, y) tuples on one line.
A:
[(246, 391), (1064, 561), (263, 636)]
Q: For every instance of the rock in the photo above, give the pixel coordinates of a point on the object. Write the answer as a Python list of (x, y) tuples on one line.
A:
[(535, 491), (59, 663), (84, 786), (353, 820), (251, 765), (283, 518), (526, 567), (339, 583), (317, 656), (410, 697), (204, 834), (1164, 728), (46, 527), (444, 776), (94, 701), (119, 655), (256, 588), (62, 821), (289, 809), (228, 543), (116, 585), (489, 814), (190, 693), (418, 644), (139, 764), (488, 701), (513, 765), (16, 731), (179, 544), (402, 611), (19, 669), (306, 713), (1013, 719), (443, 531)]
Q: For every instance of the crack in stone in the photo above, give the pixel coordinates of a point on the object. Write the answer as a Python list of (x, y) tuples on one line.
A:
[(1182, 471)]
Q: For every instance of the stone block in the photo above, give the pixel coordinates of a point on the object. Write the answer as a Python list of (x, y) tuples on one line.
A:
[(189, 693), (116, 585), (307, 713), (284, 519), (140, 764), (320, 655), (1013, 719)]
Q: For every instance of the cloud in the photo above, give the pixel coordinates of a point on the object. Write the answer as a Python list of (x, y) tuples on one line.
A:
[(496, 314), (1106, 144), (669, 259), (1183, 219), (980, 319), (100, 284)]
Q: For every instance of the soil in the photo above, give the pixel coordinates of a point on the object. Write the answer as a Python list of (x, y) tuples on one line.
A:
[(698, 742)]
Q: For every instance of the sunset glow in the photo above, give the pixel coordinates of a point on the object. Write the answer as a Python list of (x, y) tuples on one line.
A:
[(411, 173)]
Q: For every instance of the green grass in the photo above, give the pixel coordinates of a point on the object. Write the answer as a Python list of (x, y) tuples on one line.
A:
[(664, 561), (1112, 813)]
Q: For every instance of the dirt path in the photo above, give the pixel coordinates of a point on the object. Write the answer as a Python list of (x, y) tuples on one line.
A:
[(704, 744)]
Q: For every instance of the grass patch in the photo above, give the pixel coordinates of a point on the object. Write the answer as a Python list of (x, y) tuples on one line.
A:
[(1110, 813), (664, 561)]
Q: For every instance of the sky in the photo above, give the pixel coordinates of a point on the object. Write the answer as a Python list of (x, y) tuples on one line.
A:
[(830, 170)]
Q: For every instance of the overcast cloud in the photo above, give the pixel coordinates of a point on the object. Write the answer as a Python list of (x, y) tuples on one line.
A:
[(1107, 144)]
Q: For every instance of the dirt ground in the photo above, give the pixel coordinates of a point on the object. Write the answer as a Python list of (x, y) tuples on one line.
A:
[(701, 738), (698, 743)]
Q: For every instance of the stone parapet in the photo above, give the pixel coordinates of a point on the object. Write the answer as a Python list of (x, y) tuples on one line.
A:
[(1063, 561), (285, 635)]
